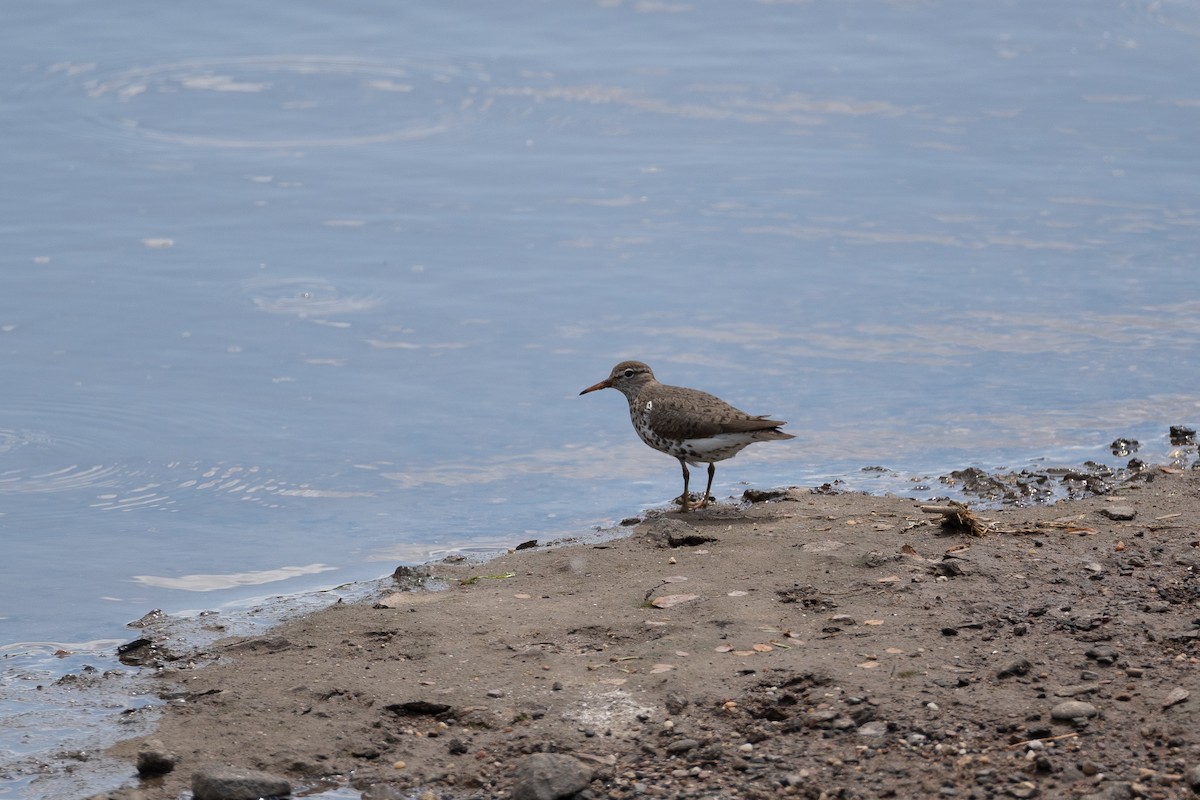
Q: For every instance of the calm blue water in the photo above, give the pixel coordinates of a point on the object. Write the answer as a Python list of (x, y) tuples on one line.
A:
[(294, 292)]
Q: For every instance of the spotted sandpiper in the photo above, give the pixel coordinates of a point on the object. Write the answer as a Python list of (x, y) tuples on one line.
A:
[(692, 425)]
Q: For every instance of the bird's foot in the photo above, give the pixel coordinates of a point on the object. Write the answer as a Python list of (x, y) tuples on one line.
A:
[(685, 502)]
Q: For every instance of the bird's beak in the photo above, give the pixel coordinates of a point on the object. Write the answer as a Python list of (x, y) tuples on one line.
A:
[(604, 384)]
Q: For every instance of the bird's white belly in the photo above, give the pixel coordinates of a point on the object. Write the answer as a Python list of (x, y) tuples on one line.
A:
[(697, 451), (714, 448)]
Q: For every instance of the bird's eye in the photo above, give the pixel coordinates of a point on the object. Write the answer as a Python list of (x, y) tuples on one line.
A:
[(628, 373)]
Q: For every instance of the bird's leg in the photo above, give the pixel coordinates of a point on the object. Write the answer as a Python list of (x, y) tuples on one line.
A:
[(684, 497), (712, 470)]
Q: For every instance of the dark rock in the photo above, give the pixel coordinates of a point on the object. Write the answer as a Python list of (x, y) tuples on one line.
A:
[(410, 576), (549, 776), (418, 708), (1182, 434), (1124, 447), (227, 783), (676, 703), (682, 745), (761, 495), (154, 758), (946, 568), (1119, 513), (529, 545), (135, 652)]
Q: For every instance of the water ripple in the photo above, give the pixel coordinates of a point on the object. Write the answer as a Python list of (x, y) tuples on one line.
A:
[(285, 101), (305, 297)]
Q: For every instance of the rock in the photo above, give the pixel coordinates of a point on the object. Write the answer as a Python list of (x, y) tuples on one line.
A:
[(1124, 447), (682, 745), (1019, 667), (229, 783), (668, 532), (761, 495), (1103, 654), (1175, 696), (548, 776), (386, 791), (1072, 710), (154, 758), (1024, 789), (1192, 776), (1119, 513), (1181, 435), (1111, 790), (873, 728)]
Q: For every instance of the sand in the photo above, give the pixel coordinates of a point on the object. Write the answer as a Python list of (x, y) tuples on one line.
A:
[(817, 645)]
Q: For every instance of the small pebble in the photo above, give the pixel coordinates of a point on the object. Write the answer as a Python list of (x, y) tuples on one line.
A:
[(1071, 710)]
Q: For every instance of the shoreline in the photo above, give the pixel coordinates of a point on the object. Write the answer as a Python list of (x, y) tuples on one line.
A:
[(810, 643)]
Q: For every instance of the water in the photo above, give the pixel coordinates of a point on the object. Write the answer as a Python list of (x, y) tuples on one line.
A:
[(294, 293)]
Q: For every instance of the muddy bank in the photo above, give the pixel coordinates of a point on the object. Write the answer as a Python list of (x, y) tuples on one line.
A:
[(815, 644)]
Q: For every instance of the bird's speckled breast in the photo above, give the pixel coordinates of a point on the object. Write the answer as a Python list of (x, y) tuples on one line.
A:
[(639, 412), (692, 450)]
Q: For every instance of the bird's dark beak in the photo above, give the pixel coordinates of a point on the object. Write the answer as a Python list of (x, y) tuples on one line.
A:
[(604, 384)]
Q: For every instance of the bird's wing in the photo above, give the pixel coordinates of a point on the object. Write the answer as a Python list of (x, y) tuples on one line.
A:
[(692, 414)]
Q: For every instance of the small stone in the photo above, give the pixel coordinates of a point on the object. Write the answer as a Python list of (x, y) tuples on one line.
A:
[(1193, 778), (1072, 710), (226, 783), (1023, 789), (873, 729), (495, 693), (1103, 654), (1019, 667), (1175, 696), (153, 758), (682, 745), (549, 776), (1119, 513)]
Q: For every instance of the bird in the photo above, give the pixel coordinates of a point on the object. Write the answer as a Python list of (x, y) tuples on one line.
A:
[(693, 426)]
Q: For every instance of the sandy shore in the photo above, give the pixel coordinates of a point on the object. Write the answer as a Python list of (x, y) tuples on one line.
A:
[(814, 645)]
